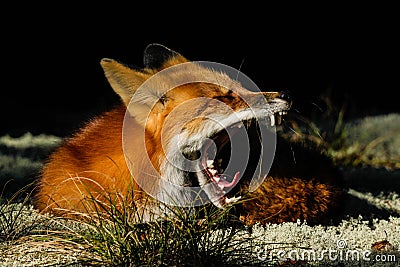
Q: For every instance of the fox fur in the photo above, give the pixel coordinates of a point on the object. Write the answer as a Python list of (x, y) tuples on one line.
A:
[(92, 162)]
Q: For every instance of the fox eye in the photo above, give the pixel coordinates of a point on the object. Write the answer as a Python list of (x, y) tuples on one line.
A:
[(225, 97), (163, 99)]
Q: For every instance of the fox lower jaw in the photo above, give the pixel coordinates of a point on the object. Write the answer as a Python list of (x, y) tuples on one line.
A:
[(188, 195)]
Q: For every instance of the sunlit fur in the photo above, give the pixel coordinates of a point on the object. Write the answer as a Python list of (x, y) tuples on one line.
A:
[(91, 163)]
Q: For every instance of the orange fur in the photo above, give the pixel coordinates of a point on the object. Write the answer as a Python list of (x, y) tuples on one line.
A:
[(92, 163), (83, 158), (280, 200)]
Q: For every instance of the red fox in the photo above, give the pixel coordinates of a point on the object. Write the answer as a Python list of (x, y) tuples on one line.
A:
[(173, 139)]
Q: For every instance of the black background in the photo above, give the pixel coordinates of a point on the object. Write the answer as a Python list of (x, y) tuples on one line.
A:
[(52, 80)]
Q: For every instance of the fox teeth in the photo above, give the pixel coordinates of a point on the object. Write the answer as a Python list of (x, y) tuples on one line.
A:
[(232, 199), (210, 163), (214, 172), (272, 118)]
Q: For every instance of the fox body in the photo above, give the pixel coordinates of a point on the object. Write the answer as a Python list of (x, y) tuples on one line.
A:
[(138, 151)]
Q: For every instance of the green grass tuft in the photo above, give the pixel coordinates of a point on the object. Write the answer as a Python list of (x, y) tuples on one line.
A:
[(194, 236), (17, 218)]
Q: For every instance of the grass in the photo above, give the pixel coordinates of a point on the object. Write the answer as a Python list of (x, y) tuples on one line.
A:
[(205, 236), (21, 159), (110, 236), (357, 144), (13, 223)]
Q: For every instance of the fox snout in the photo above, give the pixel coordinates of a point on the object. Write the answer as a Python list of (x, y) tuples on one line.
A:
[(287, 96), (282, 95)]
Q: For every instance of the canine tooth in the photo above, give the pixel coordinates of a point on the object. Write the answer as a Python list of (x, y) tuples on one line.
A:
[(216, 179), (210, 162), (213, 171), (233, 199), (272, 118), (221, 186)]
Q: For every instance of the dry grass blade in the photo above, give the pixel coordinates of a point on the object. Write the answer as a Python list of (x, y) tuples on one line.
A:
[(194, 236)]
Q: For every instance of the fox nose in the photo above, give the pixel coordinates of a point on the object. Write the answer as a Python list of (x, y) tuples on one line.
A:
[(287, 96)]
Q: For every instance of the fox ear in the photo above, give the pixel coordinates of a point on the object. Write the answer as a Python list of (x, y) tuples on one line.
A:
[(124, 81), (157, 56)]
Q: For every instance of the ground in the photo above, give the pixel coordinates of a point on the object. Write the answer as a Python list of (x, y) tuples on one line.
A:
[(370, 230)]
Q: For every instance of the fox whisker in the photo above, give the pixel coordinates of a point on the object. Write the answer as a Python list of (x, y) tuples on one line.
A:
[(240, 68)]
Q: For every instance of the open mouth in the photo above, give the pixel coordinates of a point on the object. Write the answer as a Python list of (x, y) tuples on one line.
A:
[(233, 154)]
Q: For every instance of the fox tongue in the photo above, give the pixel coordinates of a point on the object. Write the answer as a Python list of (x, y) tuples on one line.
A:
[(219, 180), (215, 177), (222, 182)]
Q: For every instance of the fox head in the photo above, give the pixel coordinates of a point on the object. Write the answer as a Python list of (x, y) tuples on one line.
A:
[(192, 129)]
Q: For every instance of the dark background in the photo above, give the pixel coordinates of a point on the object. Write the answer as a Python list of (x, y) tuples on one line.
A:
[(53, 82)]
